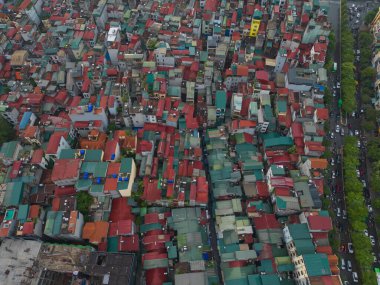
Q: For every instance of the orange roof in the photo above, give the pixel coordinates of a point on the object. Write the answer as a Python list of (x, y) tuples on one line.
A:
[(72, 221), (242, 70), (98, 143), (320, 163), (34, 211), (110, 185), (95, 232)]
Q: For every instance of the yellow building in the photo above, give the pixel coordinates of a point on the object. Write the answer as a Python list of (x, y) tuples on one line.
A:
[(254, 28), (375, 25)]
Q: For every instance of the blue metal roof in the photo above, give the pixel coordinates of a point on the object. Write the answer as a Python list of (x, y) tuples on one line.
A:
[(25, 120)]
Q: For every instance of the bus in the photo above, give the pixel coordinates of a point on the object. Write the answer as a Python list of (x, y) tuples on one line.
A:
[(377, 271)]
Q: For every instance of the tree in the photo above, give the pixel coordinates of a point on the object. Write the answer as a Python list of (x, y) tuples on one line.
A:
[(7, 132), (370, 16), (84, 201), (368, 126)]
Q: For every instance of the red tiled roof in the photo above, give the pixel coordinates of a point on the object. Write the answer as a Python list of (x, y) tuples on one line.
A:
[(120, 210), (54, 140), (319, 223), (15, 169), (65, 169), (266, 221), (64, 191), (110, 149)]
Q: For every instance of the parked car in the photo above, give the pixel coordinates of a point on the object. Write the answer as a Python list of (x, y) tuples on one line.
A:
[(337, 129), (342, 264), (349, 265), (370, 210), (355, 277), (366, 232), (373, 242), (350, 247)]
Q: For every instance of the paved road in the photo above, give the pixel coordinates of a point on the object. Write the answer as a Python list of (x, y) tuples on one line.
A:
[(364, 165), (213, 234), (351, 124), (337, 198)]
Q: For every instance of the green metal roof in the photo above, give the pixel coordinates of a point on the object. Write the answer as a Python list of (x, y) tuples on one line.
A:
[(317, 264), (156, 263), (126, 165), (299, 231), (8, 149), (220, 99), (113, 244), (101, 169), (279, 141), (304, 246), (93, 155), (14, 193), (23, 211)]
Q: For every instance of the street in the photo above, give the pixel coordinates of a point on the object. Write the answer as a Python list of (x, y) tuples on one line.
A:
[(340, 127)]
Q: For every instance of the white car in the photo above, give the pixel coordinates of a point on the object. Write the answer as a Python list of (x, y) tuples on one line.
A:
[(373, 242), (370, 210), (338, 85), (350, 247), (337, 129), (366, 232), (364, 183), (356, 132), (332, 136), (332, 162), (357, 173), (359, 144), (349, 265), (355, 277)]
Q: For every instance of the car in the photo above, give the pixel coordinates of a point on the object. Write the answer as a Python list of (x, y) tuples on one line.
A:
[(357, 173), (332, 136), (337, 129), (350, 247), (346, 283), (361, 111), (353, 114), (372, 239), (333, 175), (344, 214), (349, 265), (359, 144), (343, 264), (366, 232), (355, 277), (338, 212), (356, 132), (358, 15), (332, 162), (342, 132), (364, 183), (334, 93), (338, 85), (370, 210)]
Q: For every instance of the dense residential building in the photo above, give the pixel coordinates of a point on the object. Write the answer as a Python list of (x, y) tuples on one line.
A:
[(166, 142)]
